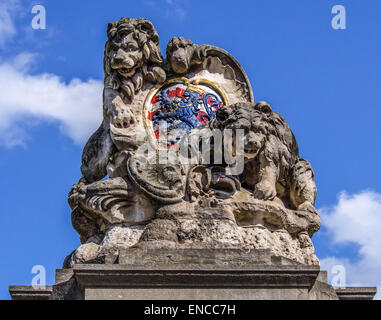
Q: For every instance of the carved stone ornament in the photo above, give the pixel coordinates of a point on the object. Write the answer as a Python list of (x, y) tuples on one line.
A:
[(129, 198)]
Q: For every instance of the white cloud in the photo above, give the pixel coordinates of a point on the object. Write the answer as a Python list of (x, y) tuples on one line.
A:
[(356, 219), (25, 98), (173, 9), (7, 27)]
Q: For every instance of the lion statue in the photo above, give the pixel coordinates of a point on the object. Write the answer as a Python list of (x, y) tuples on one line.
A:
[(272, 166), (132, 57)]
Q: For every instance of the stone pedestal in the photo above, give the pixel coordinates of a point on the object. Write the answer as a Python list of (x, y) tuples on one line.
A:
[(193, 274)]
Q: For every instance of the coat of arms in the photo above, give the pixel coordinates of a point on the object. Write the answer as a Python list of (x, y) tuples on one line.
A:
[(179, 106)]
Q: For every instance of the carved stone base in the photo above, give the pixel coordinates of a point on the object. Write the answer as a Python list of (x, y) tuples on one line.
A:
[(194, 274), (240, 222)]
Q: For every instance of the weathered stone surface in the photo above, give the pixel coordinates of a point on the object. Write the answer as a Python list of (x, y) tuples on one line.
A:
[(280, 242), (197, 282), (116, 238), (356, 293), (267, 206), (178, 255), (150, 273), (121, 237), (30, 293)]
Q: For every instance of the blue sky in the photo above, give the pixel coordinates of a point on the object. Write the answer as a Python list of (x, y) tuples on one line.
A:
[(325, 82)]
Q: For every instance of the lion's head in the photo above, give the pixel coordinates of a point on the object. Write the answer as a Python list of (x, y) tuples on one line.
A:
[(132, 54), (260, 125)]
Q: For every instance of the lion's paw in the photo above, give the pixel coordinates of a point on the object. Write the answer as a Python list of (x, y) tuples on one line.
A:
[(265, 191), (76, 193)]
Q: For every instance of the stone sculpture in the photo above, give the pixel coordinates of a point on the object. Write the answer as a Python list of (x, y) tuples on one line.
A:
[(124, 201)]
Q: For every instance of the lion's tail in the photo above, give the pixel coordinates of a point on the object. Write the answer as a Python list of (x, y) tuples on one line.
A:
[(96, 155), (303, 188)]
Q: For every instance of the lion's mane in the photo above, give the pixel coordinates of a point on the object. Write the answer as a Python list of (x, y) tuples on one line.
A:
[(295, 178)]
